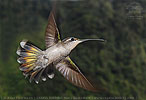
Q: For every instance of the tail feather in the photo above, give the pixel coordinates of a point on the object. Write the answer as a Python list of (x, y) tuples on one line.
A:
[(28, 56), (29, 47), (25, 67), (38, 76), (23, 53), (24, 60), (44, 74), (33, 74)]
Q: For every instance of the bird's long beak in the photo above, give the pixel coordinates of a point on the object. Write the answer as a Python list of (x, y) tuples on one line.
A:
[(83, 40)]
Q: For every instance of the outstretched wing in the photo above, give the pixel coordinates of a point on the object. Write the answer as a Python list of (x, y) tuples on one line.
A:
[(52, 34), (71, 72)]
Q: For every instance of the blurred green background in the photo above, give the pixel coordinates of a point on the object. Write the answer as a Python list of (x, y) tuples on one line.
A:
[(119, 65)]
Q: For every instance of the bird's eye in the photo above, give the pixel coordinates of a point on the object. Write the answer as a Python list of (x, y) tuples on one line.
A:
[(72, 39)]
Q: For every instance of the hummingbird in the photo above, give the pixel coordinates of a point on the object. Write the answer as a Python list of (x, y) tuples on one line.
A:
[(39, 64)]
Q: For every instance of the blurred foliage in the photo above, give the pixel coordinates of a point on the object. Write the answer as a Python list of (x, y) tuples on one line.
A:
[(119, 65)]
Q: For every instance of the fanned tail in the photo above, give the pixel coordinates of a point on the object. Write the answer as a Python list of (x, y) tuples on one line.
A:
[(28, 59)]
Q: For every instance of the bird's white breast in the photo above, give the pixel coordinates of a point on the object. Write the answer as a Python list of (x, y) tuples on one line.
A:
[(55, 53)]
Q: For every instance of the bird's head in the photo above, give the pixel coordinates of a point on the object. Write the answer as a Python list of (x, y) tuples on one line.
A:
[(71, 42)]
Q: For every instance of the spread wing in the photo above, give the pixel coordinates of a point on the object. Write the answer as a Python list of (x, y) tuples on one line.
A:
[(52, 34), (71, 72)]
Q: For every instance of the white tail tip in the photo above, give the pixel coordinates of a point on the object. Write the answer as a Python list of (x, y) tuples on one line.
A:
[(51, 76), (44, 79), (23, 43)]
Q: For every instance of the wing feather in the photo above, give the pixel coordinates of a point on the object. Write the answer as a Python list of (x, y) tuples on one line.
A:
[(71, 72), (52, 34)]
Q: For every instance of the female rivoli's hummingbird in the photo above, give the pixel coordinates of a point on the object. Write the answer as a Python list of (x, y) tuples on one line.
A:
[(37, 64)]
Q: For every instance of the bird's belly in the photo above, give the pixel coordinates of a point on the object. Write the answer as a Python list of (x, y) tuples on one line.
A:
[(56, 55)]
